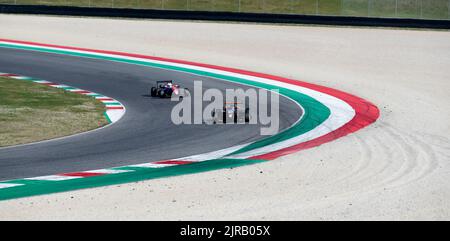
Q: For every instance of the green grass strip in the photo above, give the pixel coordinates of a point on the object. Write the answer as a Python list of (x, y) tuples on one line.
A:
[(112, 103), (31, 112)]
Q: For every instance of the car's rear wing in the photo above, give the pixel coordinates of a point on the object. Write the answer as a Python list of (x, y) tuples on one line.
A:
[(164, 82)]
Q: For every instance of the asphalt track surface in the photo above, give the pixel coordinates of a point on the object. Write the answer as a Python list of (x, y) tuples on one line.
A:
[(144, 134)]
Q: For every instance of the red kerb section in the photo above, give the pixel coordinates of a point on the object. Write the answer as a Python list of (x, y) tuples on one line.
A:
[(170, 162), (82, 174)]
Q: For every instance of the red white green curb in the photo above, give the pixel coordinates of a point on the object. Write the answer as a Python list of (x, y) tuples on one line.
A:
[(114, 109), (91, 173), (328, 113), (109, 171)]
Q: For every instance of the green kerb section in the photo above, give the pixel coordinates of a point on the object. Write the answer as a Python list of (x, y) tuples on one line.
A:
[(33, 187), (315, 112), (107, 118), (29, 79), (68, 88)]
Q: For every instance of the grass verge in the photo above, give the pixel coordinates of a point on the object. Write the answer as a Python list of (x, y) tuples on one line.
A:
[(31, 112)]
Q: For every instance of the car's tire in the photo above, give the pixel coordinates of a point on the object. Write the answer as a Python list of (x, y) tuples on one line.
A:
[(168, 94), (153, 92)]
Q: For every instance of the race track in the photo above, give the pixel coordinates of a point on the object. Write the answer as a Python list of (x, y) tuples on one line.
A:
[(144, 134)]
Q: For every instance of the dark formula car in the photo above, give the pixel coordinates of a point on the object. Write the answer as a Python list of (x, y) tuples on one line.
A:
[(166, 89), (231, 113)]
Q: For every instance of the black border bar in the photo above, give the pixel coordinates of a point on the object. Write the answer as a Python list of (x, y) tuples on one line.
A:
[(224, 16)]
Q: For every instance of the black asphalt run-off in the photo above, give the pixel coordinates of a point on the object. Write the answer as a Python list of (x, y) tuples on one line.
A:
[(144, 134)]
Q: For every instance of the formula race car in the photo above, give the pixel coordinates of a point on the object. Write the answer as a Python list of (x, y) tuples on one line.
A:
[(231, 113), (165, 89)]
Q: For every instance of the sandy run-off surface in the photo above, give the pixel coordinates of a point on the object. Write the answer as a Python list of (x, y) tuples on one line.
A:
[(396, 169)]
